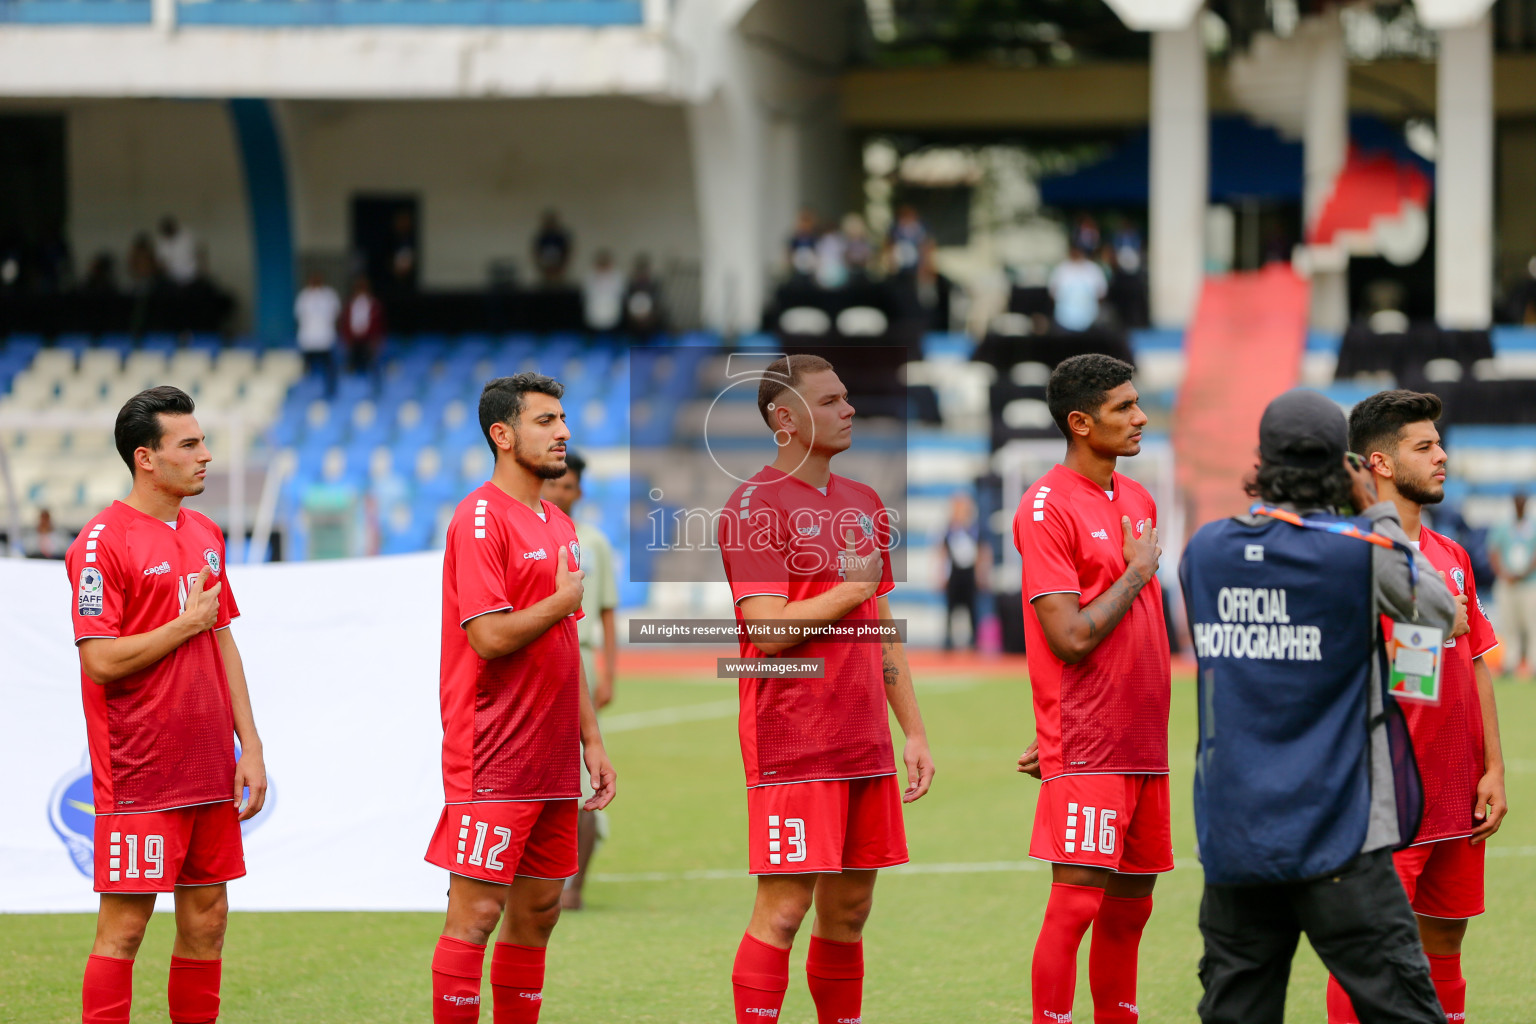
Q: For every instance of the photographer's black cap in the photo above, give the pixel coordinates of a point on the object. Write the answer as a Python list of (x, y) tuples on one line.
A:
[(1303, 429)]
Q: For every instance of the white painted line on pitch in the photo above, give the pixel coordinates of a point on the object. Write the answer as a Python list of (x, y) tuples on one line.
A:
[(703, 712), (669, 716), (954, 868)]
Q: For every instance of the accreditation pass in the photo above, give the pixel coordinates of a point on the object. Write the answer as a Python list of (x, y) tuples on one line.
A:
[(1414, 654)]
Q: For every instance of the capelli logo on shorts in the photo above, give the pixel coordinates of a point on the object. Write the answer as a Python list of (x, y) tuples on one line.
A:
[(462, 1000)]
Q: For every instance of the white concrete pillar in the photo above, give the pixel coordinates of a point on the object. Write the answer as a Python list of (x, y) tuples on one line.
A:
[(1179, 175), (1464, 177), (727, 134), (1325, 144)]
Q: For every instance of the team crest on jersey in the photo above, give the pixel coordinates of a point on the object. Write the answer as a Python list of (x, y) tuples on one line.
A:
[(1461, 580), (576, 552), (866, 524), (72, 813), (212, 558), (89, 598)]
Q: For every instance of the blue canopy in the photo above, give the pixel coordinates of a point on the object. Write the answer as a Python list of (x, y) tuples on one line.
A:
[(1248, 161)]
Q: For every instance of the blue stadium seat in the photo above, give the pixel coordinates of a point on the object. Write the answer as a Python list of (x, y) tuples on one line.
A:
[(76, 343), (158, 343)]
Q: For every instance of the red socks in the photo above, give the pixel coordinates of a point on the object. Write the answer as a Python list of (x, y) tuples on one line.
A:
[(193, 991), (759, 980), (835, 971), (456, 967), (1068, 913), (1450, 986), (1444, 972), (108, 990), (517, 983), (1112, 956)]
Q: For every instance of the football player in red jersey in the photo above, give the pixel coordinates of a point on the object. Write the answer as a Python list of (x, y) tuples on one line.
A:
[(514, 707), (164, 689), (1456, 741), (1098, 666), (823, 803)]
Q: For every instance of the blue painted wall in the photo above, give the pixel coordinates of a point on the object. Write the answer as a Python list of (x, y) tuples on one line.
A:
[(266, 191)]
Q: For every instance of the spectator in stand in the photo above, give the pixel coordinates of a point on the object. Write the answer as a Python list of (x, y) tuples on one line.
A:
[(602, 293), (858, 249), (1512, 550), (1085, 234), (966, 558), (404, 264), (317, 311), (362, 327), (643, 311), (552, 248), (933, 289), (1525, 297), (45, 541), (1077, 286), (905, 243), (832, 260), (801, 248), (101, 275), (176, 252)]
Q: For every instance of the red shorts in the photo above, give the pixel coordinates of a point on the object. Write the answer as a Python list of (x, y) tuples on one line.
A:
[(847, 825), (155, 851), (496, 842), (1118, 822), (1443, 878)]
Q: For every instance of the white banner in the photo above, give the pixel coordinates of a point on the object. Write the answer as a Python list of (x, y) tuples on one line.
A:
[(342, 661)]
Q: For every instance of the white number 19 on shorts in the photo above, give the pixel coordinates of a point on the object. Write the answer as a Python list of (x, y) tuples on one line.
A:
[(792, 833), (1101, 841)]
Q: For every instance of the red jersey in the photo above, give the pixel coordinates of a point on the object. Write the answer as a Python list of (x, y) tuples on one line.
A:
[(511, 725), (1108, 712), (163, 737), (781, 536), (1448, 737)]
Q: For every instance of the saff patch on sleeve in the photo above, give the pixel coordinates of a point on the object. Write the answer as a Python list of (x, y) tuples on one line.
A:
[(88, 600)]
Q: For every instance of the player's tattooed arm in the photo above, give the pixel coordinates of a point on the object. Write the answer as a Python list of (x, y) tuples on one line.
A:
[(903, 701), (1073, 631)]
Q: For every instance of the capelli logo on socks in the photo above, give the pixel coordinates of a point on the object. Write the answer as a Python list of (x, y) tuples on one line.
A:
[(1065, 1018), (462, 1000), (762, 1011), (537, 997), (1132, 1007)]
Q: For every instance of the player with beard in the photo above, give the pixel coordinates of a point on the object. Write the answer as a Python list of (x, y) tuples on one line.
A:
[(164, 690), (514, 705), (1098, 666), (1456, 741)]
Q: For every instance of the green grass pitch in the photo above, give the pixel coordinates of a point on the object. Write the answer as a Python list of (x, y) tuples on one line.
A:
[(654, 946)]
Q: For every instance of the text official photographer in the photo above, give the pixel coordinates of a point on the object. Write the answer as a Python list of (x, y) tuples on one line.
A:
[(1304, 778)]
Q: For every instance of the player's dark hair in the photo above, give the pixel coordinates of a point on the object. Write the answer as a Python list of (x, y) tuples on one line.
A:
[(501, 400), (783, 374), (575, 465), (1377, 423), (1323, 487), (138, 421), (1080, 384)]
